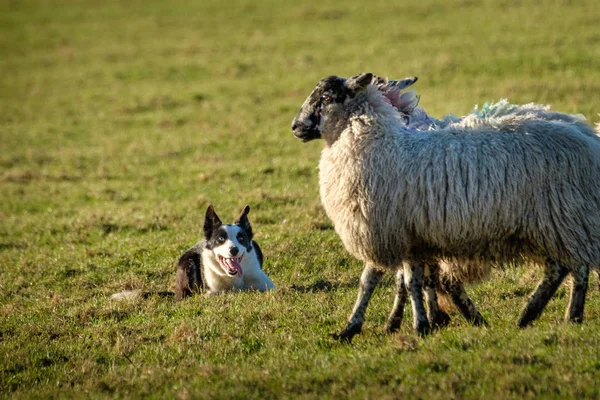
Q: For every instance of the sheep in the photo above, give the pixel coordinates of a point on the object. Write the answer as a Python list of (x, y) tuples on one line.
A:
[(489, 115), (451, 286), (521, 189)]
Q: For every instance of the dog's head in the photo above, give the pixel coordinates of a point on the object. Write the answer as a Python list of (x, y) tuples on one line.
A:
[(230, 243)]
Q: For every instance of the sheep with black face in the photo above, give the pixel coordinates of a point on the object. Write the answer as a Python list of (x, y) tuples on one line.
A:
[(518, 189)]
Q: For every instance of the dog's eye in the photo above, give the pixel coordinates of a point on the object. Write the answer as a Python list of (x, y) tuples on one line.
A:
[(221, 239), (241, 239), (326, 98)]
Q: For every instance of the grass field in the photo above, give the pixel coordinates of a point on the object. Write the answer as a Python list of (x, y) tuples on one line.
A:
[(121, 121)]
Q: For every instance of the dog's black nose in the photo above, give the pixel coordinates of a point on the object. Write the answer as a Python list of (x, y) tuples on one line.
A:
[(294, 126), (234, 251)]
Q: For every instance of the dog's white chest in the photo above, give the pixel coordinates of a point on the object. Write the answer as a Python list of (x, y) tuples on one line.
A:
[(253, 277)]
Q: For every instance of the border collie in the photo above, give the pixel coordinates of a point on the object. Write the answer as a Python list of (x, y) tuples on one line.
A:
[(226, 259)]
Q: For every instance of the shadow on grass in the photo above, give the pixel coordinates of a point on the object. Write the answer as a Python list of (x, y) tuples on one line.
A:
[(164, 294), (322, 286)]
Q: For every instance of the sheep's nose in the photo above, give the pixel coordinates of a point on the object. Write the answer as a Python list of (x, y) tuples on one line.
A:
[(234, 251)]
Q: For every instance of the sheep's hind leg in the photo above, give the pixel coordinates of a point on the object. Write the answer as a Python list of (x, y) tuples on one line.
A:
[(369, 280), (437, 317), (554, 273), (579, 287), (461, 300), (395, 319), (413, 277)]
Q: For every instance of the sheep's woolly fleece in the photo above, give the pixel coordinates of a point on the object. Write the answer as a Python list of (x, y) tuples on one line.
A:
[(495, 185), (503, 184), (491, 115)]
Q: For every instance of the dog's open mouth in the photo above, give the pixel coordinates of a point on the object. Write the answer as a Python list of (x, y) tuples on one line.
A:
[(231, 265)]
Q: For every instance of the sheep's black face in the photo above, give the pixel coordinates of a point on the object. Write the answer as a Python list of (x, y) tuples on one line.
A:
[(329, 92), (325, 105)]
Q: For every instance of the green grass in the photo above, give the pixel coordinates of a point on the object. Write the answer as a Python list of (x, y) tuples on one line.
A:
[(121, 121)]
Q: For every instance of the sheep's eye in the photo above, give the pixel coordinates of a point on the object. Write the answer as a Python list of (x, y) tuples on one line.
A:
[(326, 98)]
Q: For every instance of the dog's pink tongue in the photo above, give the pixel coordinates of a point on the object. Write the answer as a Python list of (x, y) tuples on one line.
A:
[(236, 266)]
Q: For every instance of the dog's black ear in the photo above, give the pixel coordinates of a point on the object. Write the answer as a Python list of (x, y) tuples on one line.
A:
[(243, 221), (211, 222)]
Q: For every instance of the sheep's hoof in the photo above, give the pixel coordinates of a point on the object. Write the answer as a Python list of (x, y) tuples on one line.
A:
[(574, 314), (440, 320), (479, 321), (393, 325), (347, 334), (524, 321), (423, 328), (574, 319)]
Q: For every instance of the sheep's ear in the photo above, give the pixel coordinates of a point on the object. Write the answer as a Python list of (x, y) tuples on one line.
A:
[(403, 83), (211, 221), (360, 82)]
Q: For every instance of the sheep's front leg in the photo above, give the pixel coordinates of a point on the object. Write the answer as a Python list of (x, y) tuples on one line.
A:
[(461, 300), (369, 280), (395, 319), (437, 317), (554, 273), (579, 287), (413, 277)]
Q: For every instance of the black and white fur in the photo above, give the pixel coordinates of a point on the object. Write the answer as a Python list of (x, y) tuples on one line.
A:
[(226, 259)]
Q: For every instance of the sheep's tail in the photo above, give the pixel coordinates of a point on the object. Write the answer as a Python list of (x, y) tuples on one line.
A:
[(138, 294)]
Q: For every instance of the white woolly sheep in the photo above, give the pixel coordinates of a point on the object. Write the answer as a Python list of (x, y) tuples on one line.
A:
[(488, 116), (449, 286), (520, 189), (452, 277)]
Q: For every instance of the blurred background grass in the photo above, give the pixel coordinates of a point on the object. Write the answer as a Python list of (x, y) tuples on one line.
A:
[(121, 121)]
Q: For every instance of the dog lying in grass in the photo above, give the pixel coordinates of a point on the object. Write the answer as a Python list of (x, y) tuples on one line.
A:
[(226, 259)]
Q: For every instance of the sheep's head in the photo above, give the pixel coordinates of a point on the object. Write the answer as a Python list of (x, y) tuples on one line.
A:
[(325, 109)]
